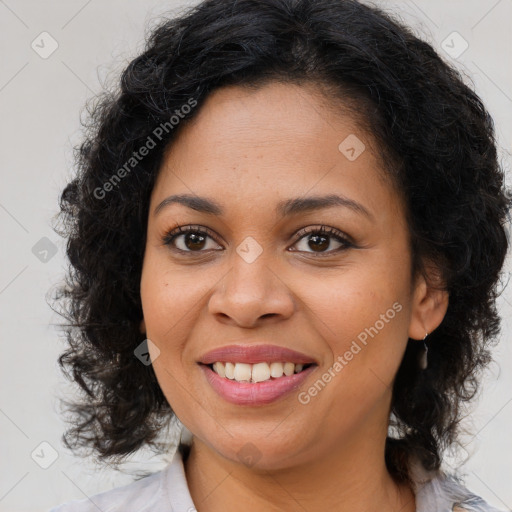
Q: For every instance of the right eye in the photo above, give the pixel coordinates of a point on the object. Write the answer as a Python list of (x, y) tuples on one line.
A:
[(190, 239)]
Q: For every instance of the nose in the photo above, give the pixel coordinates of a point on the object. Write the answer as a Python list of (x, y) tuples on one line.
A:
[(251, 293)]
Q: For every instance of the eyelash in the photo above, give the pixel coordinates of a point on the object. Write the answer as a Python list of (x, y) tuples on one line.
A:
[(171, 236)]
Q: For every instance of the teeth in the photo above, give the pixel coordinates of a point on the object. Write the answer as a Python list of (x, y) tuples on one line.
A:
[(229, 369), (258, 372), (220, 369), (289, 368), (242, 372), (276, 370)]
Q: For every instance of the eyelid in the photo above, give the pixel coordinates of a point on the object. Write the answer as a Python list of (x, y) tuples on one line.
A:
[(327, 230), (173, 233), (346, 241)]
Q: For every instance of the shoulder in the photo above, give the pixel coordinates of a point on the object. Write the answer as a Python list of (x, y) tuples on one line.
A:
[(141, 495), (442, 491), (163, 491)]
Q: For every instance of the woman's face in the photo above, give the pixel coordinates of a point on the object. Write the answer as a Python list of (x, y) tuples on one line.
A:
[(264, 275)]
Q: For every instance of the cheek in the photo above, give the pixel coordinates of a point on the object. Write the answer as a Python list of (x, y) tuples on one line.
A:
[(362, 318), (168, 298), (362, 315), (347, 302)]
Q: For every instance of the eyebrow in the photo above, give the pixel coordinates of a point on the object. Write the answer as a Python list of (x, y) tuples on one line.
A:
[(284, 208)]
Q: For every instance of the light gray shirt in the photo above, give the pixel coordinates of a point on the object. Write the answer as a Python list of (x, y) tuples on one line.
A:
[(167, 491)]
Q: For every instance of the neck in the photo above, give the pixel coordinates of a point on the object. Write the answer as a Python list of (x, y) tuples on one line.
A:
[(351, 478)]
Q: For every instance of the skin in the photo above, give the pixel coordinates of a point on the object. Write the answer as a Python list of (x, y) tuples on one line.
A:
[(248, 150)]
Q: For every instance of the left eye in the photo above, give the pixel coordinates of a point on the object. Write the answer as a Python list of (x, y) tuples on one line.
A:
[(320, 239)]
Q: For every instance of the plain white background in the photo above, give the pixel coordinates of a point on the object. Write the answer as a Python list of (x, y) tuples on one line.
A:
[(40, 104)]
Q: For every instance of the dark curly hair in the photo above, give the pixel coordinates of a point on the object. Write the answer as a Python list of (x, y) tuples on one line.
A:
[(440, 153)]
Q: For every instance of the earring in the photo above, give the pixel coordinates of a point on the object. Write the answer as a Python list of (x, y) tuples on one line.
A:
[(422, 359)]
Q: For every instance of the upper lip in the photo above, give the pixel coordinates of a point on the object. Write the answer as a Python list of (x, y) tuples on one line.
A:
[(252, 354)]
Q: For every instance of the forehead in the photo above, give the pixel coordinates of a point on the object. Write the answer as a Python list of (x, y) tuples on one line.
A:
[(276, 116), (265, 145)]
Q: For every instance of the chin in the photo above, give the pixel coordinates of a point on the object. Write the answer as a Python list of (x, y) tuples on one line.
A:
[(259, 454)]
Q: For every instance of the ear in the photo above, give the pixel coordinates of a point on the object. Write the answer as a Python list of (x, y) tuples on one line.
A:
[(142, 326), (429, 305)]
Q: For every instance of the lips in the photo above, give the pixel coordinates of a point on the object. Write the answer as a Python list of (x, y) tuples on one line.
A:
[(253, 354), (255, 394)]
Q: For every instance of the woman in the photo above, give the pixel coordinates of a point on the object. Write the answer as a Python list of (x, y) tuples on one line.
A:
[(286, 231)]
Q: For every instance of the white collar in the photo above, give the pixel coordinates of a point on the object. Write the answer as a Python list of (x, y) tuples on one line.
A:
[(434, 491)]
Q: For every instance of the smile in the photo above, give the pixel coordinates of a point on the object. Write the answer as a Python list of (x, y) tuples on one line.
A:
[(250, 393), (259, 372)]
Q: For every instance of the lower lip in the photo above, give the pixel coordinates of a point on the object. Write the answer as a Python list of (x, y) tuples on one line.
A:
[(257, 393)]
